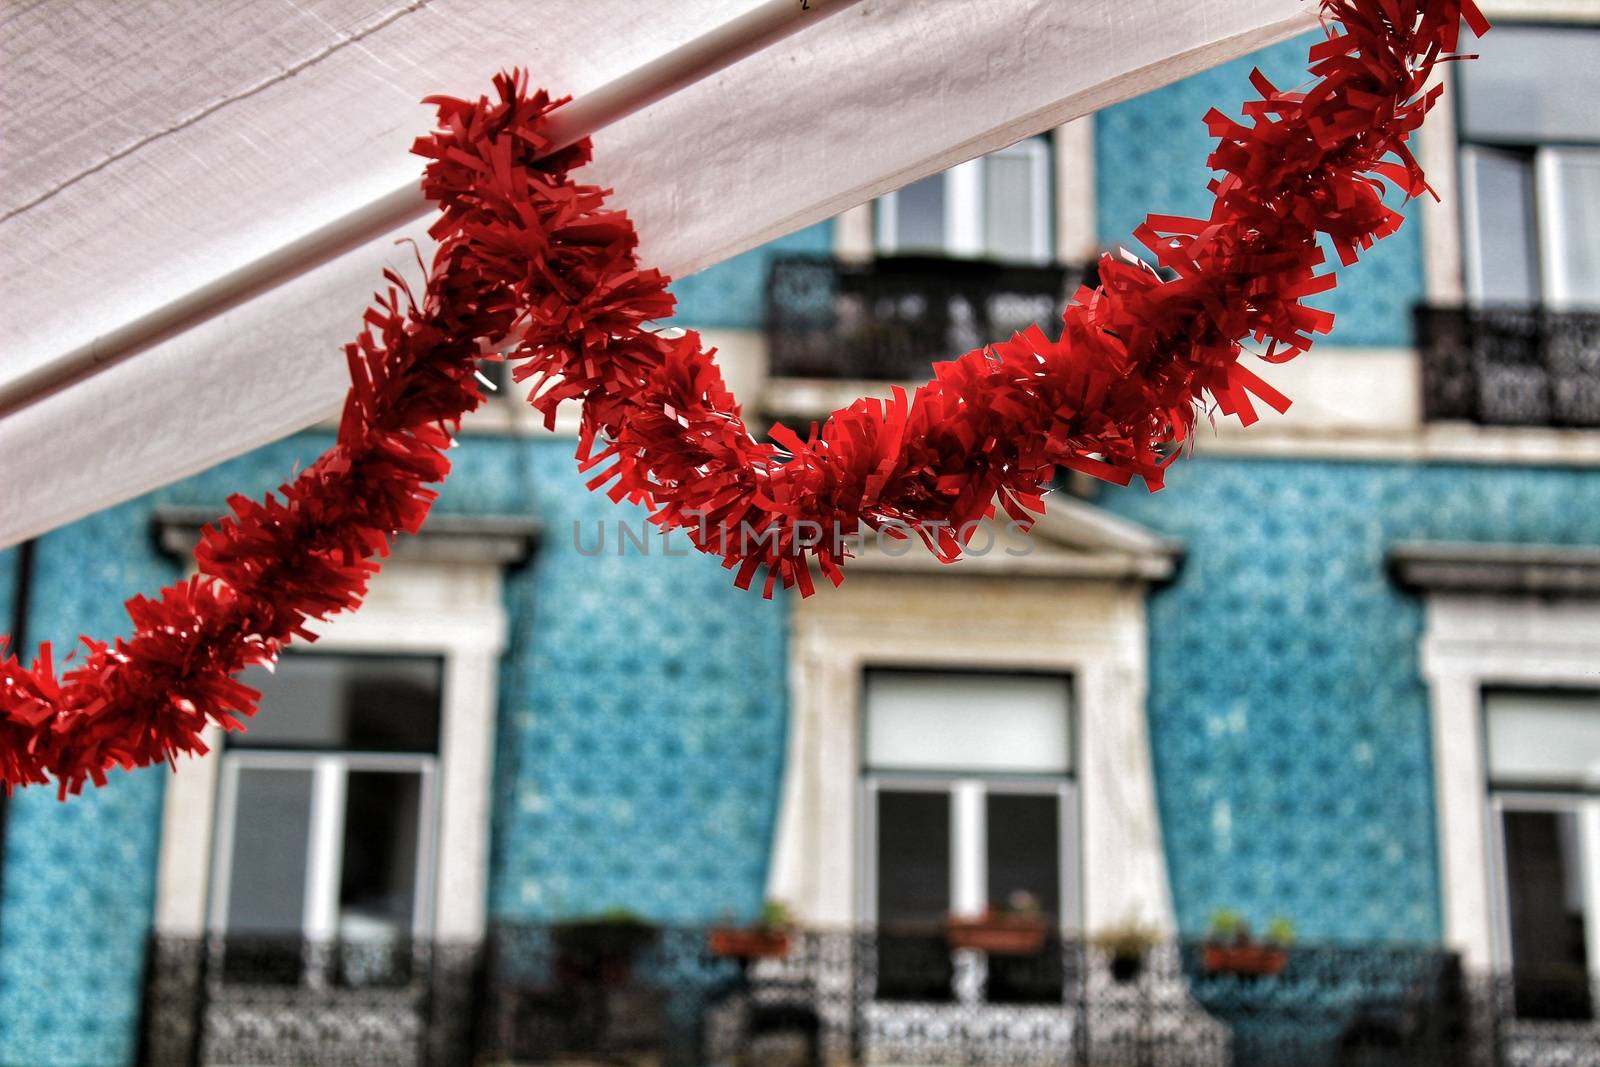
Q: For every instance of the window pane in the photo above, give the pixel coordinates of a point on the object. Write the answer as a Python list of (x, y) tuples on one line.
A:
[(382, 832), (1544, 887), (271, 834), (1577, 180), (1544, 738), (1011, 206), (972, 722), (362, 703), (913, 856), (1024, 833), (919, 216), (1534, 83), (1503, 222)]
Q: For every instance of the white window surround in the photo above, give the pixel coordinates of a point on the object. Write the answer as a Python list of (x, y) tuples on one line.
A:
[(447, 604), (1473, 640), (1074, 607)]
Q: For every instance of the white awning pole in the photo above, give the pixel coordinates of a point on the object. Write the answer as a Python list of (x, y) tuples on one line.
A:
[(751, 32)]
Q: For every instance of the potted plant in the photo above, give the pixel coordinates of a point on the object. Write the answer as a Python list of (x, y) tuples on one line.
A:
[(1019, 928), (1230, 948), (600, 949), (768, 938), (1126, 947)]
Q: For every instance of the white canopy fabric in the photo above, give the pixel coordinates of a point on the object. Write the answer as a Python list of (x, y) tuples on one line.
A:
[(148, 147)]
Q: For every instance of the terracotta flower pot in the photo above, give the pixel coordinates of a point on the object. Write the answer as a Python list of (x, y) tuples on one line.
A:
[(1246, 961), (749, 943), (999, 934)]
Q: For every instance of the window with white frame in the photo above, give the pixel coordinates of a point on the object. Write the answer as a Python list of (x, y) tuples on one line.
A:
[(1530, 166), (969, 804), (326, 817), (1543, 758), (997, 206)]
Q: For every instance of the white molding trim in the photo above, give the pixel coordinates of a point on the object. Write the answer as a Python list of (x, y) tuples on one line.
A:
[(1443, 266), (1077, 237), (1092, 629), (450, 609), (854, 236), (1540, 11), (1470, 641)]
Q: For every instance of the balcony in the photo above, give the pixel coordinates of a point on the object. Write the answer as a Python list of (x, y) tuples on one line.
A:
[(636, 994), (1510, 366), (890, 319)]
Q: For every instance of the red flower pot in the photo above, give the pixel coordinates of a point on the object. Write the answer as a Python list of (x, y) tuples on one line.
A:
[(1000, 935), (749, 944)]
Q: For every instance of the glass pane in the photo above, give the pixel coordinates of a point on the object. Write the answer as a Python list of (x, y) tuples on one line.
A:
[(363, 703), (382, 833), (271, 835), (1544, 738), (1544, 888), (913, 857), (1024, 832), (913, 863), (970, 722), (1578, 214), (1011, 206), (919, 216), (1533, 84), (1503, 220)]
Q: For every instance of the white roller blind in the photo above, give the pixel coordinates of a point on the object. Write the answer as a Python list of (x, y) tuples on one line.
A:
[(968, 722), (1544, 738)]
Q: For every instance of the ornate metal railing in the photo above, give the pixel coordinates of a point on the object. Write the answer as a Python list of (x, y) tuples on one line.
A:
[(631, 994), (1510, 366), (889, 319)]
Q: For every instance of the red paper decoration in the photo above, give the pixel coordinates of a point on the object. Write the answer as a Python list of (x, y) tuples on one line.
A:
[(527, 252)]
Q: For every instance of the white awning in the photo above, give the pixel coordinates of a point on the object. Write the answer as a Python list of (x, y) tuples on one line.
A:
[(151, 148)]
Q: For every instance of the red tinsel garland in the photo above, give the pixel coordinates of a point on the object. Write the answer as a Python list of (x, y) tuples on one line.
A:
[(526, 252)]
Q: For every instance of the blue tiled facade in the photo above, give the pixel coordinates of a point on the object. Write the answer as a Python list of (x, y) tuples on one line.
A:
[(1150, 156), (643, 702), (1288, 717)]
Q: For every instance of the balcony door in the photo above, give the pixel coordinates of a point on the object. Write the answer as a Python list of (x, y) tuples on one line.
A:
[(1544, 788), (323, 871), (969, 805), (997, 207)]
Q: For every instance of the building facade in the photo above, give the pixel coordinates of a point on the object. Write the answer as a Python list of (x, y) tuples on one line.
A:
[(1344, 669)]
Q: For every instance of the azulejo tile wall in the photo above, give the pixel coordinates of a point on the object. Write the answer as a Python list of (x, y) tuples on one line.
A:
[(1151, 157), (733, 293), (1289, 721), (638, 761), (79, 877)]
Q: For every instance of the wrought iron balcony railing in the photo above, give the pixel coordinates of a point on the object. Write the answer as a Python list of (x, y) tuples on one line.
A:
[(1510, 366), (623, 993), (889, 319)]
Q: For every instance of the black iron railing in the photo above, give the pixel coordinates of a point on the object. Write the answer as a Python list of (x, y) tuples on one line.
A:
[(889, 319), (633, 994), (1510, 366)]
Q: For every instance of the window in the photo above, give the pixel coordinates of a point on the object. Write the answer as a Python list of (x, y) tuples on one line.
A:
[(969, 804), (1531, 167), (1544, 796), (994, 207), (326, 821)]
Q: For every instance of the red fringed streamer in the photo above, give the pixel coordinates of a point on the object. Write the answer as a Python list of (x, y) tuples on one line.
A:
[(527, 253)]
